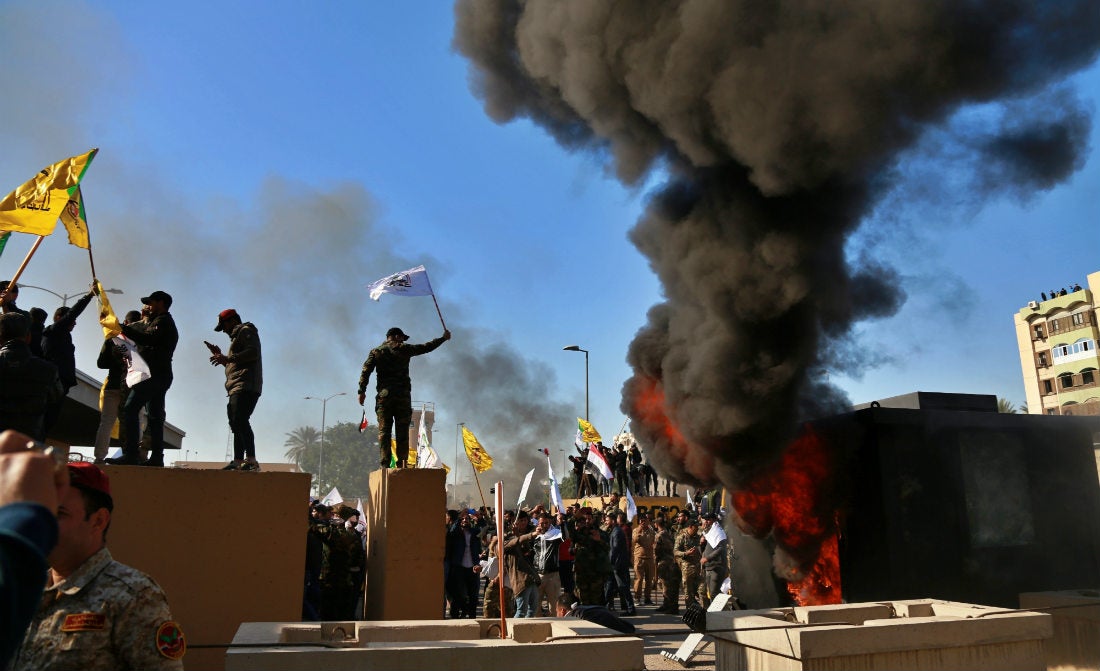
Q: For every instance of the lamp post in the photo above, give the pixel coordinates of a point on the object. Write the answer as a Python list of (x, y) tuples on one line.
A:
[(321, 455), (577, 348), (64, 297), (454, 487)]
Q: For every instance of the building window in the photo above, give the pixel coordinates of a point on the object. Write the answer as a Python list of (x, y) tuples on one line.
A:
[(1052, 411), (1038, 331), (1048, 388), (1065, 380), (1078, 318), (1053, 325), (1042, 359), (1087, 377)]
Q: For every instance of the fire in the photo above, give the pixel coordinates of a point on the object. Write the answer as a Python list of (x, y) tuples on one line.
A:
[(789, 501)]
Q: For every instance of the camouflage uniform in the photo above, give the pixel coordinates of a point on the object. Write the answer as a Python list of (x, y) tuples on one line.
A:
[(105, 615), (689, 563), (342, 552), (643, 563), (667, 570), (592, 566), (393, 400)]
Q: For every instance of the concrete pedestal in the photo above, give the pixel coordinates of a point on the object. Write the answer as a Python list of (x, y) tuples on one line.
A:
[(915, 634), (1076, 613), (405, 541), (227, 546)]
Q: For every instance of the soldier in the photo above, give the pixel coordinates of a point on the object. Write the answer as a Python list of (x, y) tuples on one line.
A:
[(97, 613), (713, 558), (667, 569), (393, 401), (644, 539), (592, 563), (686, 551), (338, 560)]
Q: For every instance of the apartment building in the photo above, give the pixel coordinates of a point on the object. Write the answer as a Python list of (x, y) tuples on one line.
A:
[(1057, 338)]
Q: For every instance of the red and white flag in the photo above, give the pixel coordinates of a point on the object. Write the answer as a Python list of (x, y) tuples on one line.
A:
[(599, 460)]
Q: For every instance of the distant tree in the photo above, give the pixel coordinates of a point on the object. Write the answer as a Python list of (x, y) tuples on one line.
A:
[(348, 459), (299, 441), (1006, 406)]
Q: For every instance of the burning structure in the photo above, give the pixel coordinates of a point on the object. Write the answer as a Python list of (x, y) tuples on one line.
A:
[(780, 126)]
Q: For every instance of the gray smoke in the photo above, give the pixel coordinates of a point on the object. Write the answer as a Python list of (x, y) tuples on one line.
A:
[(780, 126)]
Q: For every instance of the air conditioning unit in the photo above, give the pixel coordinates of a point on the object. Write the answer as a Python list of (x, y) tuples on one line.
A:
[(1034, 305)]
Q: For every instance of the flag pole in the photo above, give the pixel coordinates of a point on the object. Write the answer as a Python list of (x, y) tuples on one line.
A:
[(483, 504), (500, 557), (438, 312), (23, 266)]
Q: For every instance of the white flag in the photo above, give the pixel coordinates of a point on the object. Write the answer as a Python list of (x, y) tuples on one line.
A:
[(555, 492), (715, 535), (332, 498), (425, 455), (690, 502), (631, 507), (362, 526), (411, 282), (552, 534), (136, 368), (526, 484)]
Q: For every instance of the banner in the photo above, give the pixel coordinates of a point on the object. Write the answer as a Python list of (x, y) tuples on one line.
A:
[(35, 206), (555, 491), (588, 432), (526, 486), (479, 458), (715, 535), (631, 507), (137, 370), (597, 459), (332, 498), (107, 318), (411, 282)]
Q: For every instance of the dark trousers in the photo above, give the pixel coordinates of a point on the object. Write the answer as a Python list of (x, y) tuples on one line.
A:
[(240, 409), (49, 418), (565, 570), (462, 588), (393, 412), (150, 395), (619, 581)]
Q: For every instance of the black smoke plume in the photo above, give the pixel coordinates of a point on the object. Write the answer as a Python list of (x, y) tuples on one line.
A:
[(780, 125)]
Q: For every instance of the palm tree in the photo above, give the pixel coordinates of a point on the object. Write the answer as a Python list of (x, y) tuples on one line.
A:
[(301, 440), (1006, 406)]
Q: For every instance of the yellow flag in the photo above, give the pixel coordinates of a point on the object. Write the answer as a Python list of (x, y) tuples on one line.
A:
[(76, 222), (107, 318), (479, 458), (588, 432), (35, 206)]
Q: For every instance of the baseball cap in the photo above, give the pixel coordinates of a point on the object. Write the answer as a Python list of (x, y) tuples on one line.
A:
[(225, 314), (158, 296), (86, 475), (708, 516), (396, 332)]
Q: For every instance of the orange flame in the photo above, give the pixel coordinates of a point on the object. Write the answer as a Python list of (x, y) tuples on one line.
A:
[(788, 502)]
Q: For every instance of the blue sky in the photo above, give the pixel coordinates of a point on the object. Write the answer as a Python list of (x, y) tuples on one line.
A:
[(275, 157)]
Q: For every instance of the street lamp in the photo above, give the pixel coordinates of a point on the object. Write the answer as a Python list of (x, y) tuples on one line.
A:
[(321, 456), (64, 297), (454, 487), (577, 348)]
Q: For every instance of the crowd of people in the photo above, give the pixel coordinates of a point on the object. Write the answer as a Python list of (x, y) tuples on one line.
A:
[(581, 557), (629, 468)]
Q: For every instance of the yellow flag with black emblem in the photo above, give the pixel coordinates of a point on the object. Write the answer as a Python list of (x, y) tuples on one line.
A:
[(107, 318), (76, 221), (479, 458), (35, 206)]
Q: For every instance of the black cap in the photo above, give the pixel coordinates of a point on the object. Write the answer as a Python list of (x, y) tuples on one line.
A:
[(396, 332), (708, 516), (158, 296)]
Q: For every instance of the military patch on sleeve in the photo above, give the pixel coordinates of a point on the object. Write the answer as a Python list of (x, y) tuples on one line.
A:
[(170, 640), (84, 622)]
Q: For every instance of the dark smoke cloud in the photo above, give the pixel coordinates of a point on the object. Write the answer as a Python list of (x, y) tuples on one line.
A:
[(780, 126)]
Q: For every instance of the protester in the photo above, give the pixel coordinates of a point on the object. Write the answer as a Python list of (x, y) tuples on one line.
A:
[(58, 348), (547, 544), (31, 485), (568, 606), (619, 552), (686, 551), (244, 380), (713, 558), (461, 555), (97, 614), (27, 384), (114, 359), (393, 401), (156, 339)]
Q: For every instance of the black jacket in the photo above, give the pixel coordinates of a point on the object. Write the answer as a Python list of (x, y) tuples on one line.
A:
[(57, 343), (27, 384), (156, 343)]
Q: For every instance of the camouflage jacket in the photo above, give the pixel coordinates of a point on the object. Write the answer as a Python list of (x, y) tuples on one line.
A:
[(106, 616), (391, 362), (662, 546), (685, 543)]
